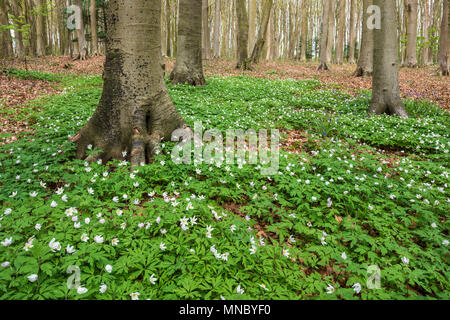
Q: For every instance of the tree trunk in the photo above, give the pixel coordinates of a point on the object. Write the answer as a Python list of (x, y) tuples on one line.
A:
[(444, 45), (206, 43), (135, 112), (259, 44), (94, 38), (242, 17), (252, 24), (426, 26), (217, 20), (411, 7), (341, 33), (168, 29), (18, 41), (324, 36), (6, 49), (304, 41), (331, 29), (40, 42), (82, 45), (385, 90), (188, 66), (365, 60), (352, 36)]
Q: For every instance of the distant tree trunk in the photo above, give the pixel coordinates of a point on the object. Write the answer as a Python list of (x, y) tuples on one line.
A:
[(168, 29), (411, 9), (82, 44), (426, 24), (341, 33), (6, 49), (365, 60), (242, 17), (352, 36), (206, 43), (40, 42), (324, 36), (18, 40), (188, 66), (94, 38), (217, 20), (444, 42), (259, 44), (304, 41), (331, 29), (385, 91), (135, 112), (252, 24)]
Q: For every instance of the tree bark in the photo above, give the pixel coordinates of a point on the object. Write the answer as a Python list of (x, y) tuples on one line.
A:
[(331, 29), (94, 38), (40, 42), (324, 36), (135, 112), (252, 24), (206, 43), (385, 91), (242, 17), (257, 49), (341, 33), (411, 7), (444, 42), (188, 66), (18, 41), (352, 35), (168, 29), (365, 60), (6, 49)]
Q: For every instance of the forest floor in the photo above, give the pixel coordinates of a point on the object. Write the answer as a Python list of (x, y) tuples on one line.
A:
[(353, 194)]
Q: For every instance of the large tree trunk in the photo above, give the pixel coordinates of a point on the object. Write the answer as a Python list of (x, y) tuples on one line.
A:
[(352, 35), (252, 24), (217, 19), (257, 49), (411, 7), (324, 36), (341, 33), (242, 17), (331, 29), (304, 36), (94, 38), (188, 66), (82, 44), (365, 61), (444, 42), (135, 112), (385, 91), (18, 41)]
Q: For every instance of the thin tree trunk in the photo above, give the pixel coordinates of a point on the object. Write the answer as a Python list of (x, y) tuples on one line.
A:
[(304, 41), (242, 17), (444, 43), (365, 60), (188, 66), (252, 24), (168, 29), (411, 7), (217, 20), (259, 44), (135, 112), (324, 36), (18, 40), (82, 45), (385, 91), (331, 29), (40, 42), (94, 38), (206, 43), (341, 33), (352, 36)]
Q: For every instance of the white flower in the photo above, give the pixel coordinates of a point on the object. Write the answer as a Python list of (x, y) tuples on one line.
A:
[(108, 268), (32, 277), (38, 226), (54, 245), (90, 191), (7, 211), (239, 289), (119, 212), (33, 194), (70, 249), (330, 289), (253, 249), (134, 295), (84, 237), (53, 204), (405, 260), (232, 228), (357, 288), (103, 288), (81, 290), (5, 264), (115, 199), (153, 279), (433, 225), (162, 246), (445, 242), (344, 256), (87, 220), (286, 252), (114, 241), (189, 206), (98, 239), (262, 285)]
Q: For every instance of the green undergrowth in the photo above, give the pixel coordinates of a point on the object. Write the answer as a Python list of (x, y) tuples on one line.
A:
[(362, 193)]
